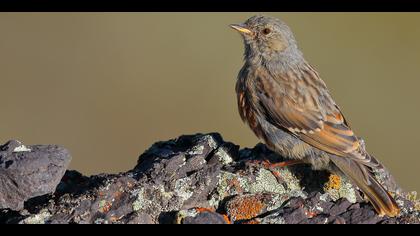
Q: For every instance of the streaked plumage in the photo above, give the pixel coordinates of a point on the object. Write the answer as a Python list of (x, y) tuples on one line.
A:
[(286, 103)]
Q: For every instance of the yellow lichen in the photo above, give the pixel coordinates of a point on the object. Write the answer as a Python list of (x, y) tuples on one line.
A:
[(334, 182), (412, 196)]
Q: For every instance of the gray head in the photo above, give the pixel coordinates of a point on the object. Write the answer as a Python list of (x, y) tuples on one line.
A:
[(267, 38)]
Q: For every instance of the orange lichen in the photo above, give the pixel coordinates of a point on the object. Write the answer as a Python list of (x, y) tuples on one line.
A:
[(235, 184), (246, 208), (202, 209), (113, 218), (106, 208), (334, 182), (118, 195), (252, 222), (226, 217), (310, 214)]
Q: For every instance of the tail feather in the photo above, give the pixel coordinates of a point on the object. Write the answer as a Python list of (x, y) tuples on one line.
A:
[(381, 200)]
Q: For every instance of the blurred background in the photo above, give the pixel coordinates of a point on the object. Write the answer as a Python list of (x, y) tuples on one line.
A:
[(108, 85)]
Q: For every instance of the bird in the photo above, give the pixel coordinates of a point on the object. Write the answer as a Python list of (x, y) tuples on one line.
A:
[(288, 106)]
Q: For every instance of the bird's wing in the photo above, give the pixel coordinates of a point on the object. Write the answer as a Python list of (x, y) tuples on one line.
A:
[(305, 108)]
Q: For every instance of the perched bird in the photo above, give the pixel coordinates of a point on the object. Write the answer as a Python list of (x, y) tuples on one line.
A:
[(287, 105)]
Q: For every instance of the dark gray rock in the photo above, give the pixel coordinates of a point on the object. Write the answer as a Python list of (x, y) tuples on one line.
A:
[(139, 218), (29, 171), (205, 218), (198, 179)]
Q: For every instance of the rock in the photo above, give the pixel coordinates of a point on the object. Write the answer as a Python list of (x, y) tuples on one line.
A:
[(206, 218), (29, 171), (200, 216), (140, 218), (197, 179)]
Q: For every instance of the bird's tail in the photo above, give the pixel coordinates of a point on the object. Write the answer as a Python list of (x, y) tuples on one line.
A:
[(381, 200)]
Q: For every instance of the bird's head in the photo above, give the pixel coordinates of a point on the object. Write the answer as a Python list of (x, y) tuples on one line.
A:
[(266, 36)]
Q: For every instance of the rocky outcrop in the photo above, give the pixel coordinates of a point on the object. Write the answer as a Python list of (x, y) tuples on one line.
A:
[(29, 171), (198, 179)]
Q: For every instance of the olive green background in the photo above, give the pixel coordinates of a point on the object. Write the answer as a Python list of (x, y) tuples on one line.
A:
[(108, 85)]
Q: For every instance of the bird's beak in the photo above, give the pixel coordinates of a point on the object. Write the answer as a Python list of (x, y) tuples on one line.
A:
[(241, 28)]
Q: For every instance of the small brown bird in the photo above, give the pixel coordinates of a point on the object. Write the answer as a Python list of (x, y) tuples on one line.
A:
[(288, 106)]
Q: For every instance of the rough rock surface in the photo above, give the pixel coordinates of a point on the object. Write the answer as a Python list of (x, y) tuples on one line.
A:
[(29, 171), (197, 179)]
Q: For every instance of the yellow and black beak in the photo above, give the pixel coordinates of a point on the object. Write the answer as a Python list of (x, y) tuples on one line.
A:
[(241, 28)]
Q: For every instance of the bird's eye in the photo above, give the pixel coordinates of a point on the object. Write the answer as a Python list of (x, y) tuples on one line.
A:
[(266, 31)]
